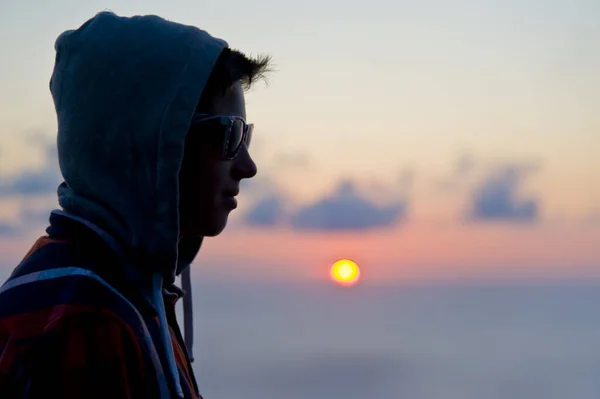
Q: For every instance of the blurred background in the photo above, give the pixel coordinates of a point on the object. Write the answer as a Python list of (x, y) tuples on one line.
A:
[(450, 148)]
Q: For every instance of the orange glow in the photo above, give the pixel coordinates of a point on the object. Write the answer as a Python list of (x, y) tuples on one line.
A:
[(345, 272)]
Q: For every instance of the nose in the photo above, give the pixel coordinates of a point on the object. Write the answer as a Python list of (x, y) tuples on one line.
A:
[(244, 166)]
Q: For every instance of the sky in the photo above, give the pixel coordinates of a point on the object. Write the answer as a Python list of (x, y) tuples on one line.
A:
[(439, 140)]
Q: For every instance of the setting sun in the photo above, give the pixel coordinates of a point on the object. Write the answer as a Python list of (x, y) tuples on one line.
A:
[(345, 272)]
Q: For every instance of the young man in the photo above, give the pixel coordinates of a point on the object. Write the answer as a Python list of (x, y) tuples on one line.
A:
[(152, 145)]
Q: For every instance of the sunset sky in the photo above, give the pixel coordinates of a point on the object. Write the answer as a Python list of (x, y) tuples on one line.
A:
[(432, 140)]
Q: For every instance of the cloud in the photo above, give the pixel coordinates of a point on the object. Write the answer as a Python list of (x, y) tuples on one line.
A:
[(345, 209), (261, 186), (496, 198), (464, 165), (267, 201), (463, 169), (406, 180), (35, 182), (29, 218), (31, 188), (39, 182), (266, 212), (35, 217), (9, 230), (492, 189)]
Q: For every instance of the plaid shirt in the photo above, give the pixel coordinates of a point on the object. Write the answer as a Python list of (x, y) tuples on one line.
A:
[(63, 334)]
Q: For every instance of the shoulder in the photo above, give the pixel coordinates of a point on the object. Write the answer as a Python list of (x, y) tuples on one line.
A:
[(56, 281), (80, 353), (71, 334), (65, 325), (51, 308)]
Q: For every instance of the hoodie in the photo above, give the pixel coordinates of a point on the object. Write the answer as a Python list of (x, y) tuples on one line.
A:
[(125, 90)]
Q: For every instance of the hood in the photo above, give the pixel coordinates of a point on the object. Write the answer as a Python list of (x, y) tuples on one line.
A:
[(125, 90)]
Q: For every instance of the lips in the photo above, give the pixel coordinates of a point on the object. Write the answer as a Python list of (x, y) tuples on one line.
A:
[(231, 193), (230, 199)]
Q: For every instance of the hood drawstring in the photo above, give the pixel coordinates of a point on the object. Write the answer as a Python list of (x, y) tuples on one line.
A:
[(173, 372), (188, 312)]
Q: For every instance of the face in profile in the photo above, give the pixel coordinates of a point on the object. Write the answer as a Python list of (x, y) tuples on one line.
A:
[(208, 181)]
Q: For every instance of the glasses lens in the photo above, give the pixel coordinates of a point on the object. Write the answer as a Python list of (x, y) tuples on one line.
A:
[(249, 135), (236, 136)]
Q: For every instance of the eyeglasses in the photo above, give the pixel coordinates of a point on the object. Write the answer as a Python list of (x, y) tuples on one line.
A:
[(237, 132)]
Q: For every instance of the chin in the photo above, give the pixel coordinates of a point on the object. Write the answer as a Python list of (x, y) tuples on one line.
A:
[(213, 232), (215, 228), (208, 226)]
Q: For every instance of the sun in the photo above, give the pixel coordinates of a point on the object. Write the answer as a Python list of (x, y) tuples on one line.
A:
[(345, 272)]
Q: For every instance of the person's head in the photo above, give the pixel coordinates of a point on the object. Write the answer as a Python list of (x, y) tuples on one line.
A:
[(140, 141), (216, 153)]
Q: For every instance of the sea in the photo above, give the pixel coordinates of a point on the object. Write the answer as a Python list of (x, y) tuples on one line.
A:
[(397, 341)]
